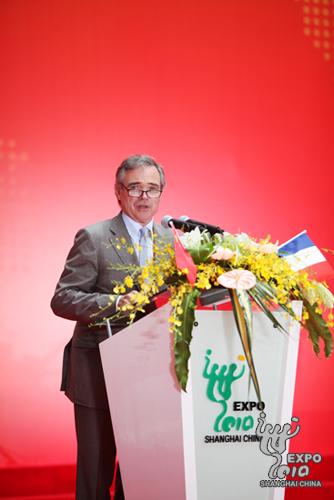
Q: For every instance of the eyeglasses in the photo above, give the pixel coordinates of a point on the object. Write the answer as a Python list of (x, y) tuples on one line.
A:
[(137, 193)]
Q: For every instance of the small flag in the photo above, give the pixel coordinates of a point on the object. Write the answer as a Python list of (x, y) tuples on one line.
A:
[(301, 253), (183, 258)]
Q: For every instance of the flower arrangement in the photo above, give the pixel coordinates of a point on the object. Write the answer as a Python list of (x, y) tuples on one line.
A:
[(256, 277)]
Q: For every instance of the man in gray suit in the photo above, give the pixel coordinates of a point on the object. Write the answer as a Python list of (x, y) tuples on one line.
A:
[(85, 288)]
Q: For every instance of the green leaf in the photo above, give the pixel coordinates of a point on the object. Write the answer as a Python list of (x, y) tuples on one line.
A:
[(202, 252), (257, 296), (267, 291), (246, 306), (318, 329), (242, 314), (183, 336)]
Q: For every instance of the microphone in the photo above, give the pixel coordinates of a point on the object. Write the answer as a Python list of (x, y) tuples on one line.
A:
[(202, 225), (185, 226)]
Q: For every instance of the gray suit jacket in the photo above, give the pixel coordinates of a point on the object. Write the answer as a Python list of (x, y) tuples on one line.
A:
[(84, 287)]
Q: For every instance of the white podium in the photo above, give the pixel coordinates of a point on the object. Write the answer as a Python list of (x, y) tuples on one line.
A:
[(199, 445)]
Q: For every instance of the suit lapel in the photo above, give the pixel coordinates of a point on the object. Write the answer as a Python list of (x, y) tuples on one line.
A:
[(119, 231)]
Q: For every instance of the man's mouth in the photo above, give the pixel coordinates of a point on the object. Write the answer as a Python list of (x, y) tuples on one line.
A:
[(143, 206)]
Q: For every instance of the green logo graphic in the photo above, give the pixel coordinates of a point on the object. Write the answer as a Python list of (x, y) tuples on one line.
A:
[(219, 390)]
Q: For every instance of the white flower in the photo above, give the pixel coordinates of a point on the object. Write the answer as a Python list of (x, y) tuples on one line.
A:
[(242, 238), (319, 292), (192, 239), (246, 241), (310, 295), (239, 279), (268, 247), (222, 253), (325, 295)]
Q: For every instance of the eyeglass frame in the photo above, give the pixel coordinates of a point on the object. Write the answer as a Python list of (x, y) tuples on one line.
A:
[(142, 191)]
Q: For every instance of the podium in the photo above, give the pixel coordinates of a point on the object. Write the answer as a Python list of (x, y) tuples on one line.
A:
[(198, 445)]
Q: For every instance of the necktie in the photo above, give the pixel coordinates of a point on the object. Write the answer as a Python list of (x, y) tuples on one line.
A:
[(144, 240)]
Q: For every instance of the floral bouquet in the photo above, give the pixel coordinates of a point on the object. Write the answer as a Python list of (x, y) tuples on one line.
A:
[(252, 271)]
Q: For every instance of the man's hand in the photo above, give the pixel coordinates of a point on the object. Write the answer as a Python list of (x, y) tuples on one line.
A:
[(125, 299)]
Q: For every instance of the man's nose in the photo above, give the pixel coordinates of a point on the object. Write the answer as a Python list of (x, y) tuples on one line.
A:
[(144, 193)]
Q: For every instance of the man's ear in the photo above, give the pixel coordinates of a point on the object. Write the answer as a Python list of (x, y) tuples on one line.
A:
[(117, 189)]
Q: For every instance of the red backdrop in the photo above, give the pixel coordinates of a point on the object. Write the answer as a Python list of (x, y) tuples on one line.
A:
[(234, 98)]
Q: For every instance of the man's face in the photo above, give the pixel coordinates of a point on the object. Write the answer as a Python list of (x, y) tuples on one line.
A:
[(140, 209)]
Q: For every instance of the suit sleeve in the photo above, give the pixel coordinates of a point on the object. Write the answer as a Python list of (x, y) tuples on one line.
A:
[(76, 297)]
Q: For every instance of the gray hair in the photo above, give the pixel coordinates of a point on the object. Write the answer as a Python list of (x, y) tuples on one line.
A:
[(136, 161)]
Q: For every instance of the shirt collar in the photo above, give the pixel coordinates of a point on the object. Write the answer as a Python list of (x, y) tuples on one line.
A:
[(134, 227)]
